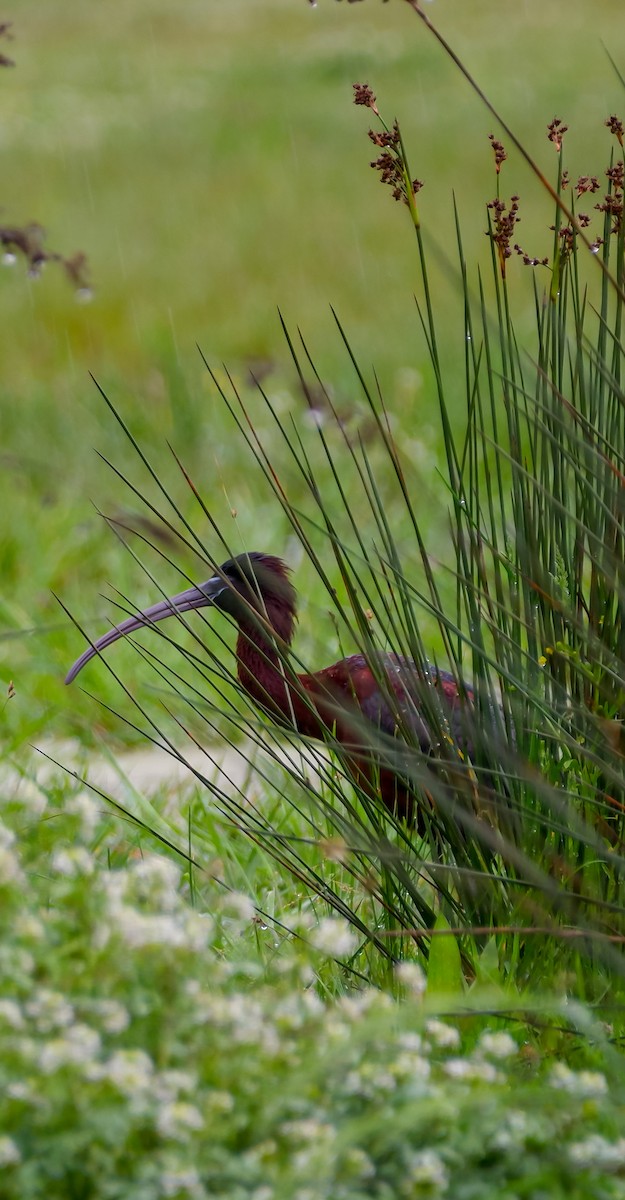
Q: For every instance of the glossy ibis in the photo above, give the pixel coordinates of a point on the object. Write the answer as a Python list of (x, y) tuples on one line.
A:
[(339, 703)]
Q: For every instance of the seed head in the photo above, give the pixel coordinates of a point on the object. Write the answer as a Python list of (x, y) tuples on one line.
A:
[(499, 152), (364, 95), (587, 183), (555, 132), (616, 127)]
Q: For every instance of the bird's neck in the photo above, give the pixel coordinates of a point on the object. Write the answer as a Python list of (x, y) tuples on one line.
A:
[(260, 664)]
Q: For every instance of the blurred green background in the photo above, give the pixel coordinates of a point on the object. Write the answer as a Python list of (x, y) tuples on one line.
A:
[(207, 158)]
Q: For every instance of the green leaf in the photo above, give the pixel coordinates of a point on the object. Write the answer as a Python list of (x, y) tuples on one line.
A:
[(444, 967)]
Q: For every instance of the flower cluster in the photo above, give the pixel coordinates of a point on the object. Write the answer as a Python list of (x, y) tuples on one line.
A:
[(391, 163), (136, 1061)]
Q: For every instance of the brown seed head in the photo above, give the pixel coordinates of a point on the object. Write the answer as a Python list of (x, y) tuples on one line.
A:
[(616, 127), (499, 152), (556, 131), (587, 183), (364, 95)]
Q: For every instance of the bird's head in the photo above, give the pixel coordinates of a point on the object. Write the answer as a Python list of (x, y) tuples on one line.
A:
[(247, 587)]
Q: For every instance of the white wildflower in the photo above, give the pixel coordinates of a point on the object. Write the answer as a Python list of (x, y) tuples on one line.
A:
[(198, 928), (598, 1153), (411, 1067), (180, 1182), (411, 977), (237, 904), (136, 929), (411, 1041), (157, 880), (7, 837), (578, 1083), (297, 1008), (168, 1085), (115, 885), (113, 1016), (443, 1035), (218, 1103), (465, 1068), (178, 1120), (83, 806), (497, 1045), (49, 1010), (79, 1047), (31, 797), (11, 1014), (368, 1080), (131, 1072), (9, 1152), (334, 937), (358, 1004), (73, 862), (10, 870), (308, 1130), (426, 1172), (516, 1128), (19, 1090), (29, 927)]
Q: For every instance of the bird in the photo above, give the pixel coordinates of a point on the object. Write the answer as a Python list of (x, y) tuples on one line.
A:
[(358, 703)]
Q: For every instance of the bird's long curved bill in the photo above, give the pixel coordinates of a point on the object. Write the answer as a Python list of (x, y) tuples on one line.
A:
[(193, 597)]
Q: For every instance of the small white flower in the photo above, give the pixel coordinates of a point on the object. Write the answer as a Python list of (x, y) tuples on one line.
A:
[(179, 1182), (334, 937), (113, 1017), (426, 1171), (73, 862), (10, 870), (497, 1045), (597, 1152), (29, 927), (411, 977), (31, 798), (158, 879), (18, 1090), (412, 1068), (178, 1120), (237, 904), (49, 1010), (78, 1047), (358, 1004), (465, 1068), (308, 1130), (517, 1128), (219, 1103), (168, 1085), (7, 837), (578, 1083), (9, 1152), (443, 1035), (198, 928), (11, 1014), (83, 806), (131, 1072)]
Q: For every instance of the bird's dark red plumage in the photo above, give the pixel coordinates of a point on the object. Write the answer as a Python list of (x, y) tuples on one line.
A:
[(355, 701)]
